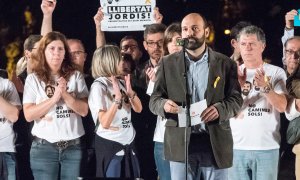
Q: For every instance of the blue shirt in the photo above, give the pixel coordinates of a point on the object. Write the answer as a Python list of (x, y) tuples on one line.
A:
[(197, 77)]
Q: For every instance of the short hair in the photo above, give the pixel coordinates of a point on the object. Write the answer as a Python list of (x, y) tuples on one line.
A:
[(205, 22), (237, 28), (153, 29), (76, 41), (30, 41), (253, 30), (172, 29), (105, 61), (125, 38), (248, 82), (39, 64), (290, 39)]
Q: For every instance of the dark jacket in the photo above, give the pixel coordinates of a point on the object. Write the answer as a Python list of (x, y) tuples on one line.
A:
[(225, 95), (106, 150)]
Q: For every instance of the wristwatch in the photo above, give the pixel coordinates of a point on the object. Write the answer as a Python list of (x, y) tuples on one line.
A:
[(266, 89)]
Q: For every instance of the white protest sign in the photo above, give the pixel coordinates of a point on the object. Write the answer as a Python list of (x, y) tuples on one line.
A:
[(127, 15)]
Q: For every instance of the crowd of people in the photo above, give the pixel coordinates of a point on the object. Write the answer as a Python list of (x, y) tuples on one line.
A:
[(124, 119)]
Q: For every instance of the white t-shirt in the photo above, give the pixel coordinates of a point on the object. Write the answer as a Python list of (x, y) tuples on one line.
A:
[(257, 125), (291, 111), (160, 127), (10, 94), (101, 98), (60, 123)]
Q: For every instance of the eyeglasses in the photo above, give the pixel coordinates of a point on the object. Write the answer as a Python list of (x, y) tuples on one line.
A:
[(290, 52), (77, 53), (153, 43), (126, 47)]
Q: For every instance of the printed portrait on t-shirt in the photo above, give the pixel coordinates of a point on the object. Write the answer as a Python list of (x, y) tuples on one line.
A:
[(49, 90), (246, 88), (256, 88)]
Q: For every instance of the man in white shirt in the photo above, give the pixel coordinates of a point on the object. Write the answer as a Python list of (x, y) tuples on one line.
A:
[(9, 114), (255, 130), (292, 56)]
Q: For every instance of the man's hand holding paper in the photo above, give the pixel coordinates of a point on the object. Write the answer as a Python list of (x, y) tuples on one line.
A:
[(199, 114)]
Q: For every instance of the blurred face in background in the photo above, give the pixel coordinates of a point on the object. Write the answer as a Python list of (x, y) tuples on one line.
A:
[(130, 46), (77, 52), (172, 45), (28, 56), (154, 46), (292, 55)]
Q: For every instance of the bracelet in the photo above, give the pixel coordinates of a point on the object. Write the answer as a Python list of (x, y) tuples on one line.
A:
[(266, 89), (133, 96)]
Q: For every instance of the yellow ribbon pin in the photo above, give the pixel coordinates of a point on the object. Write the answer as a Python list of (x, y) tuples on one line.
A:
[(216, 81), (148, 2)]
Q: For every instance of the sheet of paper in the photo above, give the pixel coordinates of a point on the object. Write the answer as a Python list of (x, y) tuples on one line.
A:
[(195, 111)]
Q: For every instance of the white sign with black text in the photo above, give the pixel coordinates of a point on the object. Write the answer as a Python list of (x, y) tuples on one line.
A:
[(127, 15)]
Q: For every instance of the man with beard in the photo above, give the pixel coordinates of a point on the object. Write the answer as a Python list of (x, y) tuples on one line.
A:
[(246, 88), (212, 77)]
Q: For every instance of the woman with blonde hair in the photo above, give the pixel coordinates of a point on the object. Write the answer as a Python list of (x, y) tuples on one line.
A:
[(55, 98), (110, 102)]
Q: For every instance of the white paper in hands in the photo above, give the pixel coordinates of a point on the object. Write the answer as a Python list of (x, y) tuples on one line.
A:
[(195, 112)]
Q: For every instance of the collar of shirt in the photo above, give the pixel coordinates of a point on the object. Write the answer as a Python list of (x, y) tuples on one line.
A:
[(204, 58)]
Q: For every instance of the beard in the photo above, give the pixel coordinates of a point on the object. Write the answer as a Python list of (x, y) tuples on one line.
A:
[(245, 92), (195, 43)]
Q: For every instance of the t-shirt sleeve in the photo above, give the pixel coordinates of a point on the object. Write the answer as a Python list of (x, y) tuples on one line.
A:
[(280, 82), (97, 99), (12, 94), (291, 111), (83, 91), (30, 88)]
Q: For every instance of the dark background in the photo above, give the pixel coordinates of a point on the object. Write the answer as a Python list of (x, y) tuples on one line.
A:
[(74, 18)]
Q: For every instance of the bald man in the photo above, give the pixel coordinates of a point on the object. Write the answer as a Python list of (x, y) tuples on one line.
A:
[(210, 142)]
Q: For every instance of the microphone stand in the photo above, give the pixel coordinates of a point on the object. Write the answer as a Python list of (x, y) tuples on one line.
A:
[(187, 112)]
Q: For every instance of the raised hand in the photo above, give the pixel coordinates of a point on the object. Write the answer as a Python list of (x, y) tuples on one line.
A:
[(150, 72), (242, 75), (48, 6), (62, 84), (289, 18), (129, 90), (57, 94), (158, 17), (260, 78), (116, 88), (99, 17)]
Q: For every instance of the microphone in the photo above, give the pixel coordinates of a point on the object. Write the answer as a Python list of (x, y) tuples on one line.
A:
[(182, 42)]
